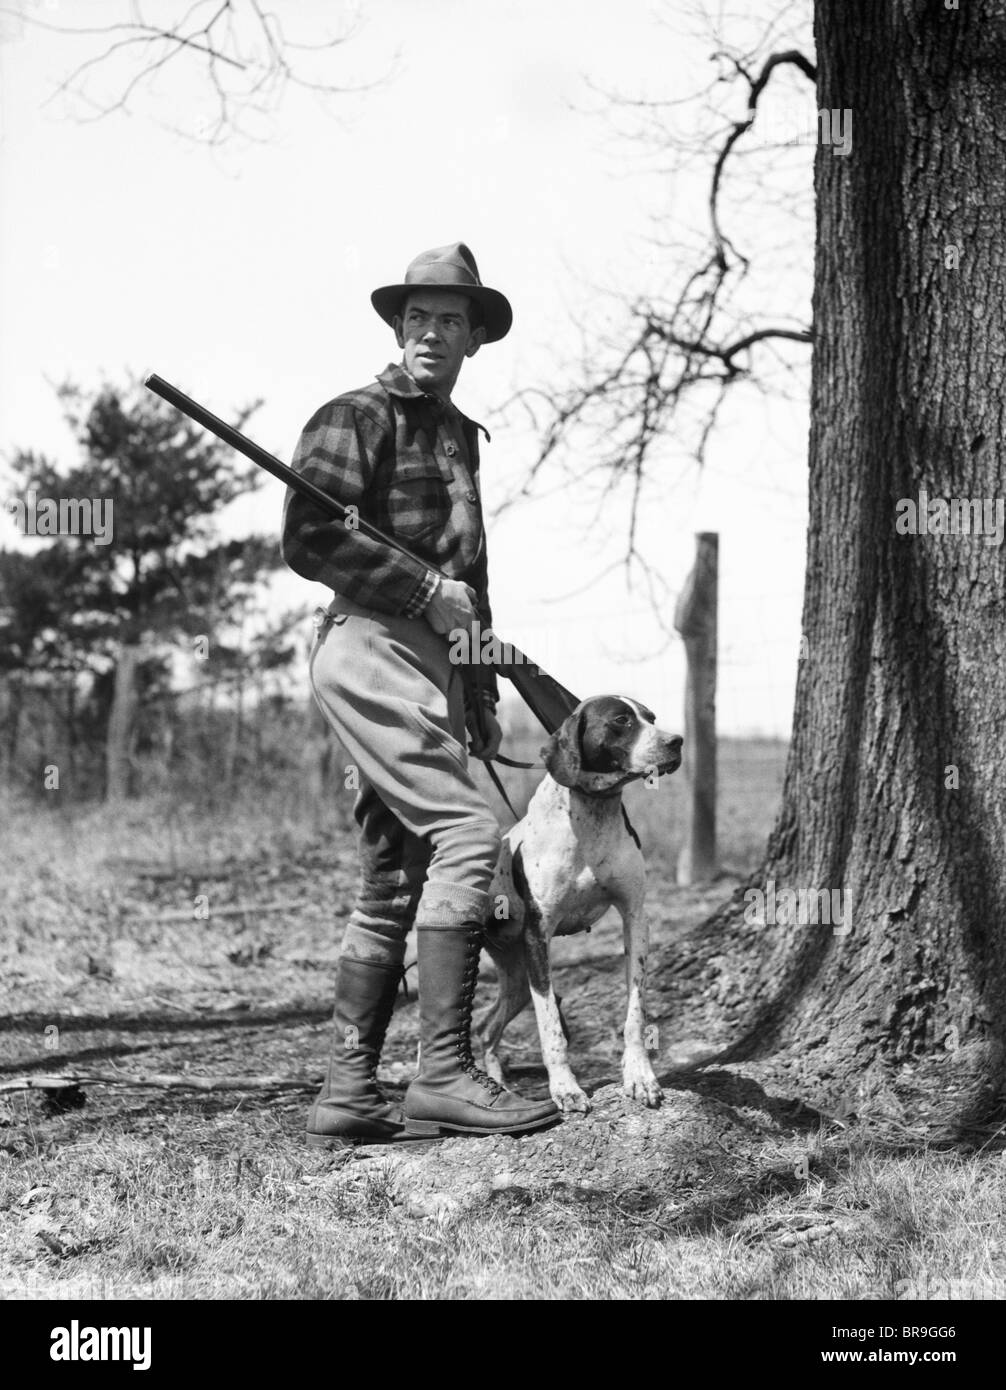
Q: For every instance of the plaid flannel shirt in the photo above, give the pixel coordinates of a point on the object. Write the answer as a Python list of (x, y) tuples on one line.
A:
[(388, 449)]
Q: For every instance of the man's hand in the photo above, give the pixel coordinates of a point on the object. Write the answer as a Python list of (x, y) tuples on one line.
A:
[(489, 747), (452, 605)]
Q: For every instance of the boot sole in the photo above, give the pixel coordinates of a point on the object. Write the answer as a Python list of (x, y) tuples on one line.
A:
[(339, 1141), (442, 1129)]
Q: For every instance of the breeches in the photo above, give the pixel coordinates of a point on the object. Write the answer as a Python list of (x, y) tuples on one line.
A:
[(428, 841)]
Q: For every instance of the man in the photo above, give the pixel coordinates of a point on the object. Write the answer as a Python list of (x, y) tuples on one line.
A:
[(408, 460)]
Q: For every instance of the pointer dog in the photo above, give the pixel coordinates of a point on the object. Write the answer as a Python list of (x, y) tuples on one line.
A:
[(572, 857)]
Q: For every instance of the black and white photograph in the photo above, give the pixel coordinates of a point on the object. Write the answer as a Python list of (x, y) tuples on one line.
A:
[(503, 667)]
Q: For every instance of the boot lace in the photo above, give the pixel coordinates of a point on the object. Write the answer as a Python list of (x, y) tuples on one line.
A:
[(468, 982)]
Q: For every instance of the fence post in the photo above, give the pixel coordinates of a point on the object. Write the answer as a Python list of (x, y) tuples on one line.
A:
[(695, 619)]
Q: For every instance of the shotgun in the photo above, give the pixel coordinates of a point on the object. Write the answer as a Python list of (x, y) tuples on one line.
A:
[(547, 700)]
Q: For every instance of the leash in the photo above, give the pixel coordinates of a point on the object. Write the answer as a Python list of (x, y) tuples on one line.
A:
[(497, 782), (500, 787), (511, 762), (474, 676)]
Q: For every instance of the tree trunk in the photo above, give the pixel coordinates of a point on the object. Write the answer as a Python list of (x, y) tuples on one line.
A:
[(317, 755), (71, 726), (696, 620), (893, 793), (236, 737), (15, 703), (121, 718)]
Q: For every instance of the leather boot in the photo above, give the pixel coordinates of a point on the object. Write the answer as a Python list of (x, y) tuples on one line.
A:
[(349, 1108), (451, 1095)]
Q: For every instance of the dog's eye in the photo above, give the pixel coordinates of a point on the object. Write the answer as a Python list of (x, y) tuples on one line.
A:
[(625, 720)]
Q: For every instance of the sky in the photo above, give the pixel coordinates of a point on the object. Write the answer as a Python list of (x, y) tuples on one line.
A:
[(243, 272)]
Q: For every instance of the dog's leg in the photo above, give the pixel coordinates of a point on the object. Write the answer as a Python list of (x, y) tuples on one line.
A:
[(562, 1084), (638, 1079), (512, 995)]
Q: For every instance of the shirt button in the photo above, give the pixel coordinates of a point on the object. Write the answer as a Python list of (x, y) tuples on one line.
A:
[(450, 449), (472, 496)]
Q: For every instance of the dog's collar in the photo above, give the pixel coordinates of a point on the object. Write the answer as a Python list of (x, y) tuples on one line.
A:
[(616, 788), (608, 792)]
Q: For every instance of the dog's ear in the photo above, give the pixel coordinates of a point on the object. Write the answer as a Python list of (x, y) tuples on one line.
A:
[(561, 754)]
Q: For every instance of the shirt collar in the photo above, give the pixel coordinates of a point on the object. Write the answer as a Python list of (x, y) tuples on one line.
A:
[(397, 382)]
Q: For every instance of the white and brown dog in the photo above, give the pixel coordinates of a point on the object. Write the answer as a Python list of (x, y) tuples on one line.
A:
[(572, 857)]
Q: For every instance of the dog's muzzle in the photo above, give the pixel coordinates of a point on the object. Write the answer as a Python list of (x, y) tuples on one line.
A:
[(672, 759)]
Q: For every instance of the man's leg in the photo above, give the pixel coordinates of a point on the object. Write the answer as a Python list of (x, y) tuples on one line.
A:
[(393, 864), (350, 1107), (390, 692)]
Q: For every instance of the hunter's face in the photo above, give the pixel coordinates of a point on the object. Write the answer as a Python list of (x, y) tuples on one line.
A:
[(436, 335)]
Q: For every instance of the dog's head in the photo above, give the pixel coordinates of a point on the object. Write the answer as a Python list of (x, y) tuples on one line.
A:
[(607, 741)]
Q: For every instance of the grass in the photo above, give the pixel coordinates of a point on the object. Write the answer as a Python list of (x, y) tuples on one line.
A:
[(202, 1195), (236, 1210)]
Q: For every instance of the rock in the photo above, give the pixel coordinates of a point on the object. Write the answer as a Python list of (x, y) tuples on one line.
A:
[(438, 1206)]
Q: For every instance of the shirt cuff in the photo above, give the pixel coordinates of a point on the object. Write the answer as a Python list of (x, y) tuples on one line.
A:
[(416, 605)]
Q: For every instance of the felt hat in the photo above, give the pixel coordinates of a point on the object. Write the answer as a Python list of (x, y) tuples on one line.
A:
[(448, 268)]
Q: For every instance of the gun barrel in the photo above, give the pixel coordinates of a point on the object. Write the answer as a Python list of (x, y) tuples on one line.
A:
[(264, 459)]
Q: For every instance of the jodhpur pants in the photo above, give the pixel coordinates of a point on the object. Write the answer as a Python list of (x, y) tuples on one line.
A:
[(428, 840)]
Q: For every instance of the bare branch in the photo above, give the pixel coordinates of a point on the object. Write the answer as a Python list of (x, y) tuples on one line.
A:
[(756, 87), (683, 352), (241, 44), (728, 351), (72, 1081)]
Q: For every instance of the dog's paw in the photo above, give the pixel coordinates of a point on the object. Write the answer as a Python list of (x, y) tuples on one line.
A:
[(640, 1084), (568, 1097)]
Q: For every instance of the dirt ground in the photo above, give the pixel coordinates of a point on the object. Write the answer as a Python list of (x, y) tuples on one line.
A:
[(239, 996), (184, 1160), (249, 995)]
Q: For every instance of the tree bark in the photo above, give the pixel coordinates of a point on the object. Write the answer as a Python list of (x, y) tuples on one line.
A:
[(121, 719), (893, 792)]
